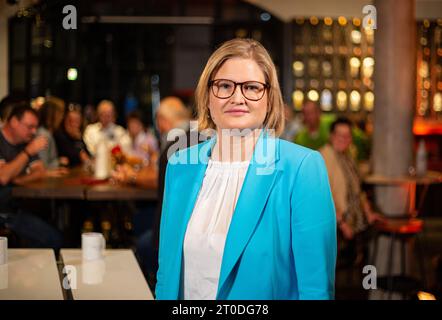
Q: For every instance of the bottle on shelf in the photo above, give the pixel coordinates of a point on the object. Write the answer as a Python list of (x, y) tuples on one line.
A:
[(421, 159)]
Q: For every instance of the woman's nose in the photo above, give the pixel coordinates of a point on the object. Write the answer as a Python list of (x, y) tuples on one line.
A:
[(237, 96)]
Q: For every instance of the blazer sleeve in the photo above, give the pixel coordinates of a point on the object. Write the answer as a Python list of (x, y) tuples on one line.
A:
[(313, 230), (160, 288)]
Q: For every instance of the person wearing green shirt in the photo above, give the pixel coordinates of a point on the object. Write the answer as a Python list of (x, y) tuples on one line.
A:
[(315, 133)]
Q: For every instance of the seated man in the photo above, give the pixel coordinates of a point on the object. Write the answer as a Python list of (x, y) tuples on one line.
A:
[(69, 139), (19, 164), (106, 129)]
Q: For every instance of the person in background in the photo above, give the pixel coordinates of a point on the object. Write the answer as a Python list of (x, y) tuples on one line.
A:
[(89, 115), (292, 124), (354, 213), (144, 143), (71, 147), (106, 129), (314, 134), (20, 164), (171, 114), (8, 102), (50, 117)]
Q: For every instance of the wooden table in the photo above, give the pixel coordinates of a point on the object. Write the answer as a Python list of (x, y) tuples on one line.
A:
[(110, 191), (117, 277), (30, 274), (432, 177), (429, 178), (52, 188), (79, 185)]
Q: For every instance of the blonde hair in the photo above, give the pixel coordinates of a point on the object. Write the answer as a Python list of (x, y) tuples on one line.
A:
[(246, 49), (51, 113)]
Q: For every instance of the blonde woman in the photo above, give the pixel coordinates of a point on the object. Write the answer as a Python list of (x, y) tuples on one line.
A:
[(245, 214)]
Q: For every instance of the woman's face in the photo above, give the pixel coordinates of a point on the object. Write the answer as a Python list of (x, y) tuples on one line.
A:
[(238, 112), (341, 138), (134, 126)]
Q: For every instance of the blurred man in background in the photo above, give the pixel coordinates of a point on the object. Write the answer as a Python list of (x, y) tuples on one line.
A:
[(106, 129), (315, 132), (20, 164)]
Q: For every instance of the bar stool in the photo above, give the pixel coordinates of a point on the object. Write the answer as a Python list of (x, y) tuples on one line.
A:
[(403, 230)]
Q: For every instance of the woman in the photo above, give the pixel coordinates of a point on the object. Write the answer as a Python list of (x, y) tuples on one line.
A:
[(354, 213), (50, 117), (144, 145), (71, 148), (245, 215)]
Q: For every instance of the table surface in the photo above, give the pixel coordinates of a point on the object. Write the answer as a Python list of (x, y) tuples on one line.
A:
[(110, 191), (30, 274), (430, 178), (117, 277), (79, 185)]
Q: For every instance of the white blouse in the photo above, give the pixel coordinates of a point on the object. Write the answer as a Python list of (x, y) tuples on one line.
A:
[(208, 226)]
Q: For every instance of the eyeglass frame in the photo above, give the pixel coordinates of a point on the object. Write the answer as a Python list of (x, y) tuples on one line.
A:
[(266, 87), (28, 126), (74, 107)]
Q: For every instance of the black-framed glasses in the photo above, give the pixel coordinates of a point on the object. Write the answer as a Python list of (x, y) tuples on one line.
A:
[(251, 90)]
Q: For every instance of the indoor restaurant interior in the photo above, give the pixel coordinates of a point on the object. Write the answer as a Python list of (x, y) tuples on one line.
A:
[(87, 225)]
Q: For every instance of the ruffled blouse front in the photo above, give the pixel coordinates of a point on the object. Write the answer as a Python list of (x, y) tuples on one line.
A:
[(208, 226)]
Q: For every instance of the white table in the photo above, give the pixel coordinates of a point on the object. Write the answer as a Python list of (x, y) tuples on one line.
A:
[(117, 277), (30, 274)]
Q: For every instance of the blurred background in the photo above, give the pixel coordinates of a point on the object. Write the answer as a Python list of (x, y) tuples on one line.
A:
[(380, 67)]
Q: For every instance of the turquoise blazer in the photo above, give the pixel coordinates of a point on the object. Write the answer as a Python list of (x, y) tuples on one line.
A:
[(281, 242)]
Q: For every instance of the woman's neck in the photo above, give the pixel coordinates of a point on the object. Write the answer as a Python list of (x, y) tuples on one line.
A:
[(235, 145)]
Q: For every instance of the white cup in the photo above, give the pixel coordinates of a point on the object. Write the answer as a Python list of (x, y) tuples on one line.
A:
[(92, 246), (3, 250), (4, 276), (93, 271)]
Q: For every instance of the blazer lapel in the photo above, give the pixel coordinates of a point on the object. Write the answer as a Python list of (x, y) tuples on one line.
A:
[(255, 191), (192, 180)]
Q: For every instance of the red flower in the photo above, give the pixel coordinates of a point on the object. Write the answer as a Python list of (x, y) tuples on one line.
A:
[(116, 150)]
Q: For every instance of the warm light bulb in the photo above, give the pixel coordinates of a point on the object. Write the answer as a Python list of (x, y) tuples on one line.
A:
[(437, 102), (313, 95), (328, 21), (369, 101), (298, 99), (355, 100), (341, 100), (342, 21), (356, 36), (298, 68)]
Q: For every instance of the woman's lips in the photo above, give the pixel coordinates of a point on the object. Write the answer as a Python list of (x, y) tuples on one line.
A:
[(238, 112)]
